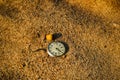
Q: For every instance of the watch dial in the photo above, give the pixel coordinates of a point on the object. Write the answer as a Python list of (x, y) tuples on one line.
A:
[(56, 49)]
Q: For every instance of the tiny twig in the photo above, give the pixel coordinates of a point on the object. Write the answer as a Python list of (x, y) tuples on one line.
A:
[(36, 49), (39, 49)]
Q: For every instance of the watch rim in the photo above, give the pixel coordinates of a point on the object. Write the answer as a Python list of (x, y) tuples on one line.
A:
[(52, 54)]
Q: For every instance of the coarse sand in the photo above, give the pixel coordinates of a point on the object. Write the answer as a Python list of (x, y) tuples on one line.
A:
[(91, 29)]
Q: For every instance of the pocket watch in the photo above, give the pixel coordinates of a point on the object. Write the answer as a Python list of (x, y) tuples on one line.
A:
[(56, 48)]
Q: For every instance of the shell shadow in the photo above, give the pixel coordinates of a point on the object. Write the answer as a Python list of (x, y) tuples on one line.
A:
[(56, 35)]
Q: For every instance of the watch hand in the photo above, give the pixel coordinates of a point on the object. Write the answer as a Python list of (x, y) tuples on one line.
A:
[(59, 50)]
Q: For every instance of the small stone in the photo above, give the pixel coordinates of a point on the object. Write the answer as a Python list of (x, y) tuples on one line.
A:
[(42, 37), (64, 56), (116, 25)]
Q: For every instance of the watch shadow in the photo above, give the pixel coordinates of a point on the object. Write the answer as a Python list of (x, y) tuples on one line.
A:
[(66, 46)]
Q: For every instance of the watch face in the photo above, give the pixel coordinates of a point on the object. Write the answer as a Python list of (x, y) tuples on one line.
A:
[(56, 49)]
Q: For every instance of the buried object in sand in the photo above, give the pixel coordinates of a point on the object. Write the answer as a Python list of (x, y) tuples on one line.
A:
[(56, 49)]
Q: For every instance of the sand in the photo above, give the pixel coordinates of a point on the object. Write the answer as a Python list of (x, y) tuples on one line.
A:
[(91, 32)]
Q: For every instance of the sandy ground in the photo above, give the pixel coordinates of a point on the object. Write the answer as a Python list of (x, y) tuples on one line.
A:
[(91, 30)]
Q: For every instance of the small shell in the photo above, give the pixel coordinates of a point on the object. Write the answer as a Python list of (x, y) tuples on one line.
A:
[(49, 37)]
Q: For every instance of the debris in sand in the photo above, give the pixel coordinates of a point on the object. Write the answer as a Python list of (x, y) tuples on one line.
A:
[(49, 37)]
